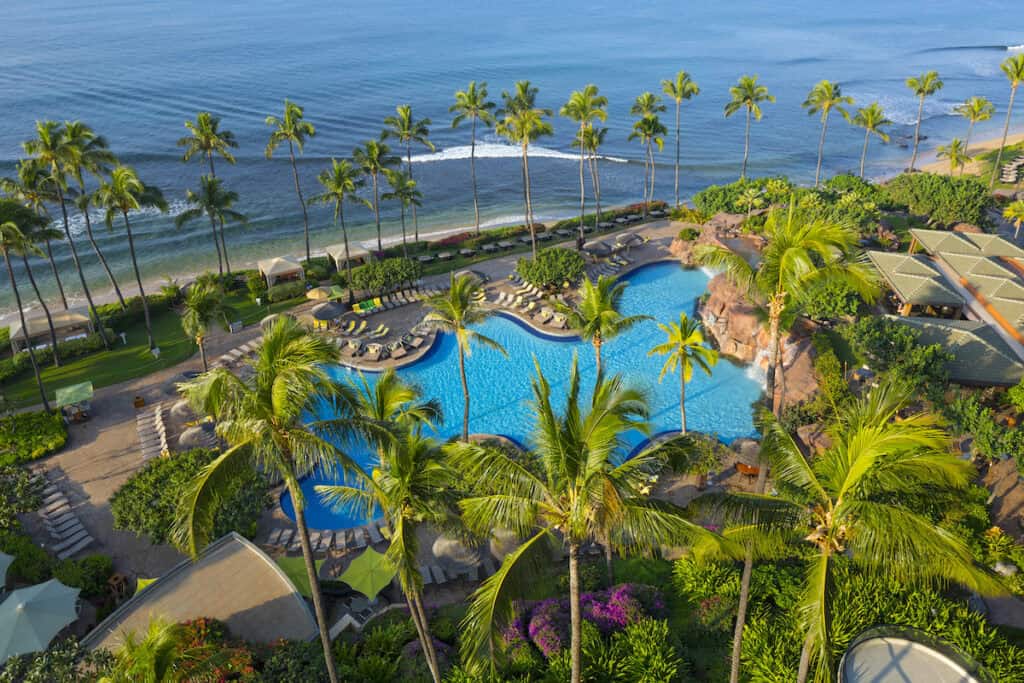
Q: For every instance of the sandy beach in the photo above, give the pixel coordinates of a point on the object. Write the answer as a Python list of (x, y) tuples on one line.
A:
[(936, 165)]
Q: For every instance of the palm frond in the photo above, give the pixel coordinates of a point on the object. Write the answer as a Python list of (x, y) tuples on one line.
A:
[(194, 518)]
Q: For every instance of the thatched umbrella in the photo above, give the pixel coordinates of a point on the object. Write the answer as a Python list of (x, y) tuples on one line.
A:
[(196, 437), (181, 411), (597, 248), (453, 554), (502, 543), (327, 311)]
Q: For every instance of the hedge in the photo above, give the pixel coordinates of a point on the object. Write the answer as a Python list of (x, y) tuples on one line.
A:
[(15, 366), (112, 315), (944, 199), (28, 436), (379, 276), (552, 267), (286, 291)]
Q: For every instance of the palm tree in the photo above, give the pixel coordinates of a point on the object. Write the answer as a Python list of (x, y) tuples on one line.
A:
[(403, 190), (574, 489), (925, 85), (391, 400), (162, 655), (472, 104), (294, 130), (408, 130), (35, 234), (589, 143), (648, 129), (90, 154), (802, 252), (825, 97), (686, 350), (597, 318), (56, 153), (411, 486), (521, 124), (956, 152), (747, 94), (341, 183), (857, 499), (373, 158), (680, 88), (206, 139), (123, 193), (1014, 213), (871, 118), (751, 198), (204, 305), (12, 239), (262, 420), (454, 312), (1013, 67), (974, 109), (584, 107), (215, 202)]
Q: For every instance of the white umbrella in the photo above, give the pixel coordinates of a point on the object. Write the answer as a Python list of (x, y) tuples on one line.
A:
[(452, 553), (5, 562), (31, 617), (502, 543), (181, 411)]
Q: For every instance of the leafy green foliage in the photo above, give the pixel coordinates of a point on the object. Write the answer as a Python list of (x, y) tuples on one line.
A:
[(833, 299), (552, 267), (1015, 395), (946, 200), (893, 347), (256, 286), (991, 439), (688, 234), (20, 364), (65, 661), (379, 276), (147, 503), (31, 563), (717, 198), (19, 493), (686, 214), (112, 315), (317, 268), (90, 574), (286, 291), (28, 436)]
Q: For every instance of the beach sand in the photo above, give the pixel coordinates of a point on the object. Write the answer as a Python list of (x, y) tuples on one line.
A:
[(941, 166)]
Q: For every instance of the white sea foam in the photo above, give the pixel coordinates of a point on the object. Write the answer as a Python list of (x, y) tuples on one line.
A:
[(496, 150), (1015, 48), (76, 221), (370, 244)]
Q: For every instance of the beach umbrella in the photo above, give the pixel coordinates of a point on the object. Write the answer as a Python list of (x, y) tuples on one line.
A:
[(181, 411), (328, 311), (196, 437), (76, 393), (31, 617), (369, 573), (502, 543), (597, 248), (319, 294), (337, 292), (5, 562), (454, 554)]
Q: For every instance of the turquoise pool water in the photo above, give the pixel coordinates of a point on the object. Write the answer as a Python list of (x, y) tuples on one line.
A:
[(500, 387)]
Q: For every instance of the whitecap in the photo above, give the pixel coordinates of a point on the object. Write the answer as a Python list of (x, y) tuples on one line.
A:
[(494, 150)]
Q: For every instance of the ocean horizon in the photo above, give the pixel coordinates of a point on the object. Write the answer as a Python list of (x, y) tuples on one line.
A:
[(136, 71)]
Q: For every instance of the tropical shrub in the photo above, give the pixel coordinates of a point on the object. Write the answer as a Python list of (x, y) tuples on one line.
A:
[(380, 276), (688, 234), (90, 574), (19, 494), (552, 267), (317, 269), (286, 291), (292, 661), (31, 563), (991, 440), (893, 347), (113, 316), (65, 661), (256, 286), (946, 200), (1015, 395), (234, 658), (28, 436), (833, 299), (717, 198), (148, 502), (686, 214)]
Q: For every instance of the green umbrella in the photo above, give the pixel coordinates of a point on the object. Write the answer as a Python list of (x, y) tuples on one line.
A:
[(5, 562), (337, 292), (31, 617), (76, 393), (369, 573)]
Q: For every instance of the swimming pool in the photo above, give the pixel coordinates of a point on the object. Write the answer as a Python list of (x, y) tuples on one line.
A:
[(500, 388)]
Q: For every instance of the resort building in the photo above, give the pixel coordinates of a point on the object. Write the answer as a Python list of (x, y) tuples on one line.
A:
[(917, 285)]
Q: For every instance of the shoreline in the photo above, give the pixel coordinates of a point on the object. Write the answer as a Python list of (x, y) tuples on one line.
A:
[(941, 166)]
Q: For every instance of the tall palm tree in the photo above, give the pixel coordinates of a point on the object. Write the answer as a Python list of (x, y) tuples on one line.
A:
[(122, 194), (747, 94), (686, 350), (802, 252), (871, 118), (974, 109), (411, 486), (574, 488), (597, 317), (32, 187), (857, 499), (824, 98), (55, 152), (12, 239), (584, 107), (90, 154), (341, 183), (262, 420), (403, 191), (649, 130), (203, 306), (391, 400), (206, 139), (472, 104), (408, 130), (925, 85), (1014, 213), (956, 152), (680, 88), (1013, 68), (373, 158), (454, 312), (294, 130), (215, 202), (36, 234), (590, 142), (521, 123)]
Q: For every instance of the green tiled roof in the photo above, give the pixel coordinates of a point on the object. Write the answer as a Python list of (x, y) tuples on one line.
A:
[(980, 356), (1000, 285), (915, 279), (937, 242)]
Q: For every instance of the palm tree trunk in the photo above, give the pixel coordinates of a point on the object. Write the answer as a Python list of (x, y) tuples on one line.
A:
[(138, 280), (917, 132), (608, 565), (405, 250), (529, 205), (780, 377), (597, 354), (223, 242), (821, 150), (472, 172), (24, 330), (746, 147), (774, 313), (376, 211), (348, 261), (805, 658), (682, 399), (78, 267), (679, 106), (56, 275), (415, 218), (428, 642), (741, 616), (465, 394), (46, 310), (1006, 129), (100, 256), (967, 143), (864, 152), (216, 245), (302, 202), (650, 188), (202, 351), (576, 629), (583, 203), (314, 587), (647, 175), (596, 180)]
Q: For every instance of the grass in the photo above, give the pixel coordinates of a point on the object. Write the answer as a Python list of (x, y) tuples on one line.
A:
[(295, 569)]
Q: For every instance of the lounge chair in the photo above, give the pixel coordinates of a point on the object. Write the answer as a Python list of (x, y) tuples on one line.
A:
[(544, 316), (439, 575), (467, 253), (416, 342), (358, 537), (488, 248), (374, 532), (376, 331), (425, 573), (444, 256), (285, 538), (71, 540), (359, 330), (275, 537), (505, 244), (488, 565)]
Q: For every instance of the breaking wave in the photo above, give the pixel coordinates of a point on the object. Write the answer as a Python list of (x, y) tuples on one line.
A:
[(492, 150)]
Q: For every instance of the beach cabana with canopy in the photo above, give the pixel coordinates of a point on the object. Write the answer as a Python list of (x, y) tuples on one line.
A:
[(71, 324), (370, 573), (31, 617), (356, 255), (598, 248), (916, 281), (280, 269)]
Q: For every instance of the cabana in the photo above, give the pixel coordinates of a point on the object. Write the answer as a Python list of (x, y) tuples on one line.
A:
[(916, 281), (597, 249), (71, 324), (281, 269), (356, 255)]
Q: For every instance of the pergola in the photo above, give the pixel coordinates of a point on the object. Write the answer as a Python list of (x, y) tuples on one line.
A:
[(916, 281), (67, 324), (281, 268)]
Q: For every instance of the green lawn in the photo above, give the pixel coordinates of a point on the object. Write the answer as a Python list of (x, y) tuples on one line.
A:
[(249, 313), (295, 568)]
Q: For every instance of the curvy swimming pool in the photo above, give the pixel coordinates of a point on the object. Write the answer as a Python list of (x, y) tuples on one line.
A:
[(500, 388)]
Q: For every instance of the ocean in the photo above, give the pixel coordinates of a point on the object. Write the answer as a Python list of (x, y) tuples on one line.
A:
[(136, 70)]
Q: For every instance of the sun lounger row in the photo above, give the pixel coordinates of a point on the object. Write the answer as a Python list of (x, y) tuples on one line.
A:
[(152, 432), (322, 541), (63, 525), (436, 575), (385, 303), (1012, 170), (236, 355)]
